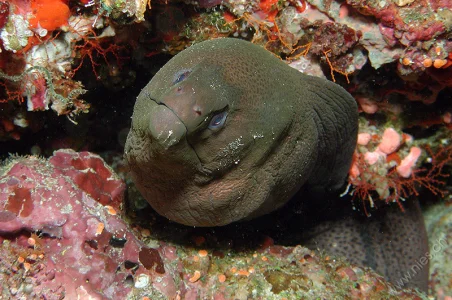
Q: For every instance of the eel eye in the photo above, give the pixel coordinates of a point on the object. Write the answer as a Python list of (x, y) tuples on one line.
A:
[(218, 120), (181, 75)]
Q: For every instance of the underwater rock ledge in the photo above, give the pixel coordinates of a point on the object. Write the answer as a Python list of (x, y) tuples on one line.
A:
[(63, 236)]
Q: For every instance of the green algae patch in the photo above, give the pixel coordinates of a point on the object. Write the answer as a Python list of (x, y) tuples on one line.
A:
[(282, 281)]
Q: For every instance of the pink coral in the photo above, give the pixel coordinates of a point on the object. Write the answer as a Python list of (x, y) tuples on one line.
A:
[(391, 174), (390, 141), (373, 157), (409, 162), (364, 138)]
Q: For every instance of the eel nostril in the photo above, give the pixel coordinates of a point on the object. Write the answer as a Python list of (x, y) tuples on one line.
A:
[(197, 110)]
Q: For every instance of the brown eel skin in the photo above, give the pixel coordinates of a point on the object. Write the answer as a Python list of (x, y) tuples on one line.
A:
[(226, 131)]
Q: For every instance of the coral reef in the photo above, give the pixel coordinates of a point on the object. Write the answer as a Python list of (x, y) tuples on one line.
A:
[(41, 43), (344, 35), (62, 235), (340, 36), (87, 60)]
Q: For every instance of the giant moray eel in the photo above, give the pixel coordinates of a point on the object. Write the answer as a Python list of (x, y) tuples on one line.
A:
[(226, 131)]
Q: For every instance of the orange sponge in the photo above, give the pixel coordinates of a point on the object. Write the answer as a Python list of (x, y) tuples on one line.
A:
[(49, 14)]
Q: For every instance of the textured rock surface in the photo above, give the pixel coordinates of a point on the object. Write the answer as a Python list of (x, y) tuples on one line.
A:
[(438, 219), (82, 244), (58, 241)]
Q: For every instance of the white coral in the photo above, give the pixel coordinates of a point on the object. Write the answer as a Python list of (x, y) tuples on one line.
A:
[(15, 34)]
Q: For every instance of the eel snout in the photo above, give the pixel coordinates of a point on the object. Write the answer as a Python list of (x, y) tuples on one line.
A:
[(165, 127)]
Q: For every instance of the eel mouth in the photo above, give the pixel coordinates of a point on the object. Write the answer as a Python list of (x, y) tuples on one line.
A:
[(168, 136)]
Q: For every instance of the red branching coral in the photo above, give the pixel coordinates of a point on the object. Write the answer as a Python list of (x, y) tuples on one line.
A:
[(93, 48), (10, 94)]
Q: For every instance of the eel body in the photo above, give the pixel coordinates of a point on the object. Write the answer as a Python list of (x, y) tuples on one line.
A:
[(392, 242), (226, 131)]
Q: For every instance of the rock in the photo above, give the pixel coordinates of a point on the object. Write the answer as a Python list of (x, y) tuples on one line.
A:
[(63, 236)]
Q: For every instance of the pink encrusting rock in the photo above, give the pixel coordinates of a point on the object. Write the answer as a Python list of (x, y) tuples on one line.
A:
[(85, 249), (91, 174)]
